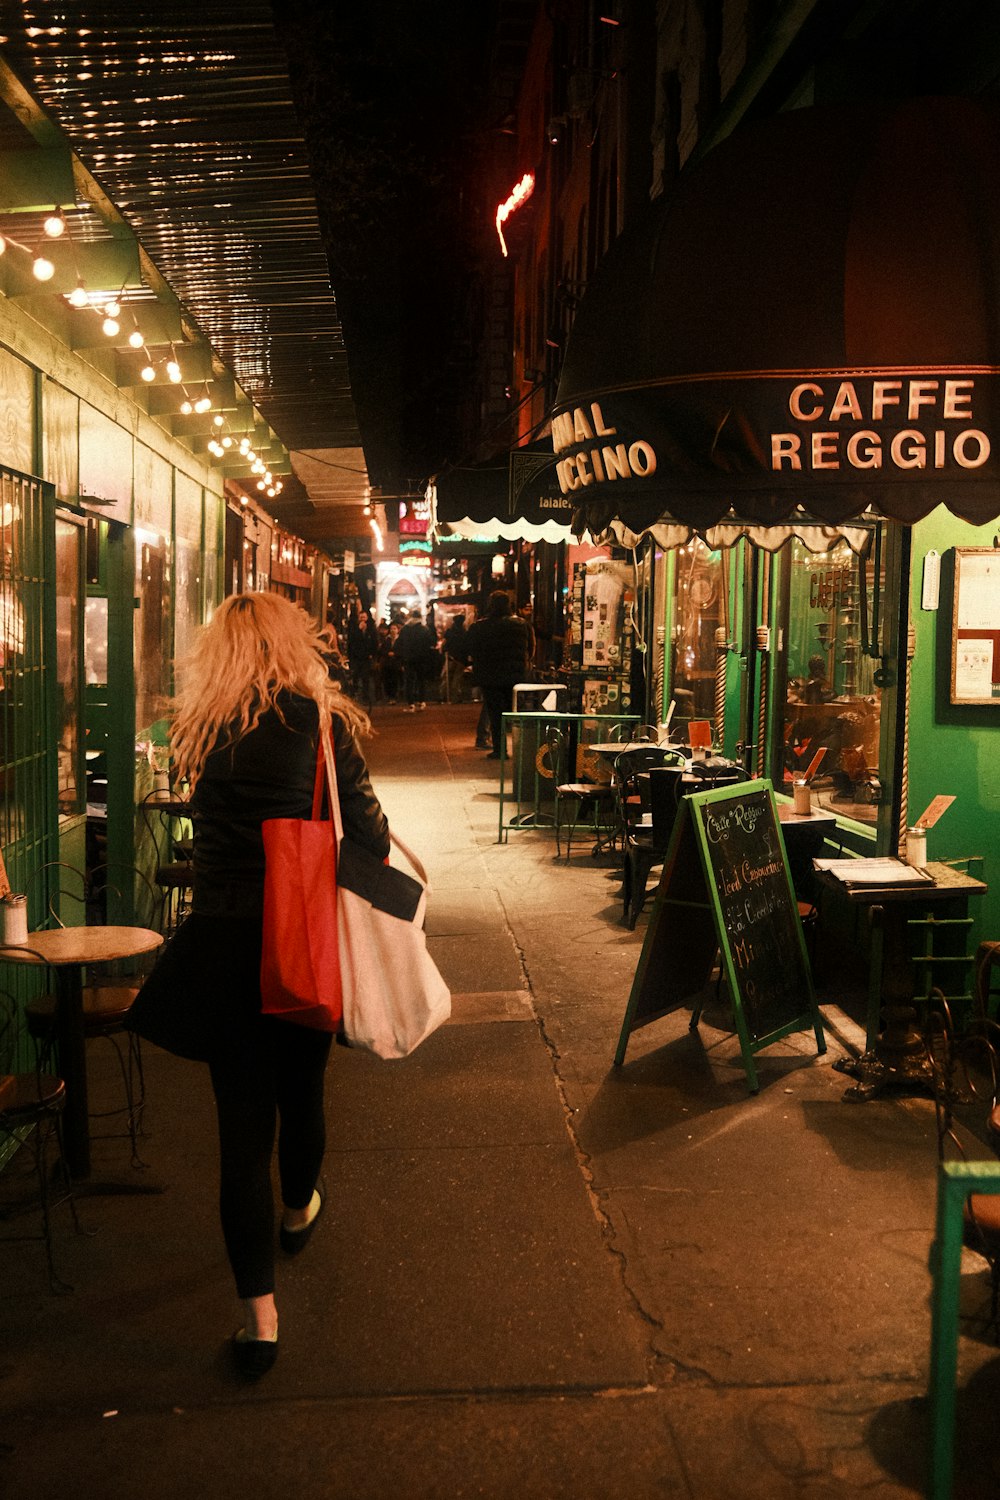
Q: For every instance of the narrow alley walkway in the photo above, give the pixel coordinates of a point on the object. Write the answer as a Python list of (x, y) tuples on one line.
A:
[(540, 1277)]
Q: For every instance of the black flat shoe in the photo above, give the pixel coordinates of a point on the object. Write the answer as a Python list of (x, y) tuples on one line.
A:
[(252, 1357), (294, 1241)]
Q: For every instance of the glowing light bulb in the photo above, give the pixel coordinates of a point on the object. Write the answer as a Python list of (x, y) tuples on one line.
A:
[(112, 308), (78, 296), (203, 404), (43, 269), (186, 408), (148, 373), (261, 485), (135, 339), (55, 225), (218, 420), (227, 442), (3, 244), (111, 326), (174, 371)]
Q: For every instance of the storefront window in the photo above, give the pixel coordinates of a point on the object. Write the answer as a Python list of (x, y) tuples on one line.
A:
[(187, 596), (698, 613), (152, 628), (68, 665), (832, 705)]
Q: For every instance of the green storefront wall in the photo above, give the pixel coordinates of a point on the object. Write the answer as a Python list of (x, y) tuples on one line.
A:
[(953, 750)]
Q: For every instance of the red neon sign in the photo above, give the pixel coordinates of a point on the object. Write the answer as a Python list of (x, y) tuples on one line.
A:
[(518, 195)]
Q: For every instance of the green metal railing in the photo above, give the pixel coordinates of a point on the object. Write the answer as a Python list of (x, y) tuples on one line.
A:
[(956, 1180)]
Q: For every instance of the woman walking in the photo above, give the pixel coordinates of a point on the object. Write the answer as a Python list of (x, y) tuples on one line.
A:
[(254, 697)]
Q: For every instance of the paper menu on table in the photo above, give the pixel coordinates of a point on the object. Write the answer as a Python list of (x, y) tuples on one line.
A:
[(874, 872)]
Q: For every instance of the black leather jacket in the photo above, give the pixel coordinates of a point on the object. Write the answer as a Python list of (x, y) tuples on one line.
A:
[(269, 773)]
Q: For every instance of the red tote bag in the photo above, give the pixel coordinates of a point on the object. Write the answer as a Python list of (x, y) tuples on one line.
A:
[(300, 959)]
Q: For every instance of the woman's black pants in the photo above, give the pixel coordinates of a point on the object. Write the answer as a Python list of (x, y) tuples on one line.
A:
[(270, 1078)]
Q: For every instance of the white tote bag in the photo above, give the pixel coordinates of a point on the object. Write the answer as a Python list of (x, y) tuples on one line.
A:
[(393, 994)]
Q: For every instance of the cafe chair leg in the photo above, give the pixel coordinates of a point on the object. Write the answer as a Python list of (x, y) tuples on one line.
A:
[(31, 1106), (105, 1008)]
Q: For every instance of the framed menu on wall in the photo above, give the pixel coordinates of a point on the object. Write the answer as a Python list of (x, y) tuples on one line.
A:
[(975, 631)]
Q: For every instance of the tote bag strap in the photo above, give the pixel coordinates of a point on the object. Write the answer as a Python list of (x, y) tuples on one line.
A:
[(327, 756), (320, 782), (335, 814)]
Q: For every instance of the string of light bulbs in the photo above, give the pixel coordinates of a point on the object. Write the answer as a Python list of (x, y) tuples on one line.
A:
[(55, 226)]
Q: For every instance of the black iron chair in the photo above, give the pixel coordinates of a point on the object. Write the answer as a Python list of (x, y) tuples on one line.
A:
[(171, 855), (645, 825), (108, 996), (31, 1108), (592, 800)]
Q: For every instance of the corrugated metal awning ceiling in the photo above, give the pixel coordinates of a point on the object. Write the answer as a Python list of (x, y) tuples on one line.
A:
[(183, 113)]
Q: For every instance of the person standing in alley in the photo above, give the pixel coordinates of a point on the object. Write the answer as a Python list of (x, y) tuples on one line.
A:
[(498, 650), (362, 650), (456, 646), (415, 648), (388, 663), (255, 696)]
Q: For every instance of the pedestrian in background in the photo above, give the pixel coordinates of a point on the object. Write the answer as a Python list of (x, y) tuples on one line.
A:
[(498, 649), (456, 646), (254, 698), (362, 651), (416, 648), (388, 664)]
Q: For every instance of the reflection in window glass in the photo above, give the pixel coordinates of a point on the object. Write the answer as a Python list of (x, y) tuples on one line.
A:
[(152, 629), (187, 596), (698, 612), (832, 707), (96, 628), (68, 666)]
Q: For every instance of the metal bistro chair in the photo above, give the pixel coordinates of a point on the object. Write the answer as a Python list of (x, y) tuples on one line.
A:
[(593, 798), (31, 1107), (648, 785), (107, 996), (172, 857)]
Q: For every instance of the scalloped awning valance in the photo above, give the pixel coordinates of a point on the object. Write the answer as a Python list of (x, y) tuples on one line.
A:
[(810, 320)]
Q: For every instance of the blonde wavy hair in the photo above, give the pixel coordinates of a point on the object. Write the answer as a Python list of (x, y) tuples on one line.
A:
[(255, 647)]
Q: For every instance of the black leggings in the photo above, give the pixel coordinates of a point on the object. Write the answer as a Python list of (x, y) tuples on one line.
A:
[(274, 1072)]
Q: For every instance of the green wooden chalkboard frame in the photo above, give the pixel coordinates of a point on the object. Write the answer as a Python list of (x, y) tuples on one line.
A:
[(698, 910)]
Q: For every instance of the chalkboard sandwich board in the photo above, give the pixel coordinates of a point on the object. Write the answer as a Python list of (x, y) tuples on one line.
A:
[(726, 889)]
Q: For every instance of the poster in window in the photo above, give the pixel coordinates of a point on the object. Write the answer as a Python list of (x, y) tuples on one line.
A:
[(975, 635)]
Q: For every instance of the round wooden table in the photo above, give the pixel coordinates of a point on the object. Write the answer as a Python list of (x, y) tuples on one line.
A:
[(67, 950)]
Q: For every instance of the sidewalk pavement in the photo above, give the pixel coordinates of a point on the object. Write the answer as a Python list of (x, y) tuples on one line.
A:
[(539, 1276)]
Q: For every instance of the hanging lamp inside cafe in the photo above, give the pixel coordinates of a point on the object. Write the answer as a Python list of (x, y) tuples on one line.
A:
[(805, 331)]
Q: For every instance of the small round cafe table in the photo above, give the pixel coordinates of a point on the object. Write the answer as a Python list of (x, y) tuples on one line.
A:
[(68, 950)]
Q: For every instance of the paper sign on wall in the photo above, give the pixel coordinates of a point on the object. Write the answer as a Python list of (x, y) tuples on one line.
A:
[(933, 811)]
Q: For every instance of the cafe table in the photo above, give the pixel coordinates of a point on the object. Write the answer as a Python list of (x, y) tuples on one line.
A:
[(804, 835), (68, 950), (898, 1055), (526, 804)]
